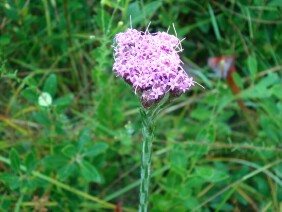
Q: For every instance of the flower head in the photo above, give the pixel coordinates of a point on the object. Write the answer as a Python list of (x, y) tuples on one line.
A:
[(150, 63)]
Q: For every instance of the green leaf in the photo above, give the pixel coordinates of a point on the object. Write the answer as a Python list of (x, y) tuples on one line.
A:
[(191, 203), (210, 174), (214, 23), (50, 85), (69, 151), (261, 184), (134, 10), (30, 162), (84, 138), (12, 180), (173, 181), (126, 141), (67, 171), (31, 82), (96, 149), (63, 102), (161, 202), (147, 11), (42, 117), (5, 39), (185, 191), (178, 160), (259, 91), (201, 113), (15, 160), (238, 80), (54, 161), (30, 94), (89, 172), (207, 134), (152, 7), (269, 80), (276, 91), (253, 67)]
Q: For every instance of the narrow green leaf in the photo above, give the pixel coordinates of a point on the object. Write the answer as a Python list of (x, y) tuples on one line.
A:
[(64, 101), (67, 171), (249, 22), (269, 80), (276, 91), (89, 172), (178, 160), (96, 149), (138, 15), (31, 82), (42, 117), (54, 161), (261, 89), (30, 162), (84, 138), (252, 66), (151, 7), (210, 174), (214, 23), (69, 151), (50, 85), (200, 113), (238, 80), (30, 94), (11, 180), (15, 160)]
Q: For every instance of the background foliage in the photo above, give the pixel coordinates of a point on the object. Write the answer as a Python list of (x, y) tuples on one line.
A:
[(82, 153)]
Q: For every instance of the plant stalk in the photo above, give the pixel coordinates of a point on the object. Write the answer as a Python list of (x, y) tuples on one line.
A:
[(148, 135)]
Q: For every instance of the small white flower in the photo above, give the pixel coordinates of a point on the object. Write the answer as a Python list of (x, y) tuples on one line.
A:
[(45, 99), (92, 37)]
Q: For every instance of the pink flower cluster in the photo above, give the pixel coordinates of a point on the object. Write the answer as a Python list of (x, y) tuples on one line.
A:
[(150, 63)]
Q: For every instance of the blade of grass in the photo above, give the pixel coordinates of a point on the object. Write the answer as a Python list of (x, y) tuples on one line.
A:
[(227, 196), (247, 198), (19, 202), (47, 17), (214, 23), (11, 124), (249, 23)]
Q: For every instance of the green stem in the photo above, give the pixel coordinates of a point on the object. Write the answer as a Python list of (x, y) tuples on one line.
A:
[(148, 135), (148, 120)]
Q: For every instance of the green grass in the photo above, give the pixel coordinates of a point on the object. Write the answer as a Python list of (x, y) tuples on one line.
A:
[(83, 152)]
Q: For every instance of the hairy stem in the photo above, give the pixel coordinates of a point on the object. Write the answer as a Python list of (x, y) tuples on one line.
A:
[(148, 135)]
